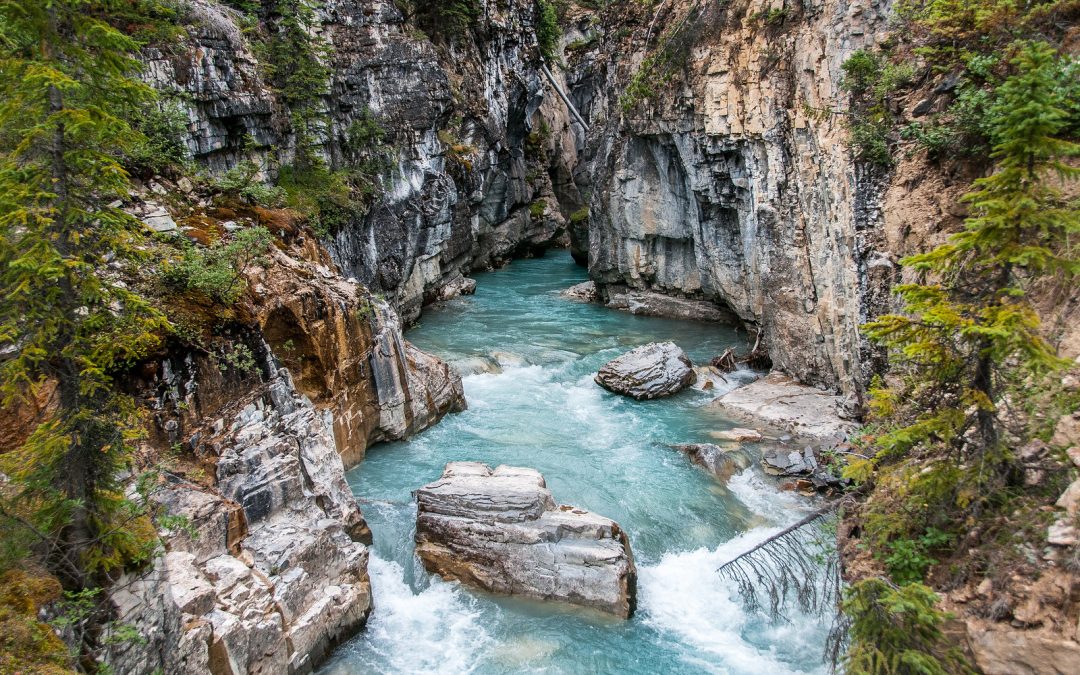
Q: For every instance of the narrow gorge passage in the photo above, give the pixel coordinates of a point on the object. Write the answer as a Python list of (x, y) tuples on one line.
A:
[(541, 409)]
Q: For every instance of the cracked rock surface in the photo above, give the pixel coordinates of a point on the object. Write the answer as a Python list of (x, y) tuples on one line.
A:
[(500, 530)]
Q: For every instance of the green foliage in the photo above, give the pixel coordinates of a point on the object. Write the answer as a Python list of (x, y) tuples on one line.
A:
[(295, 64), (67, 87), (908, 559), (580, 217), (458, 152), (217, 271), (329, 200), (447, 18), (364, 133), (872, 78), (243, 181), (28, 645), (160, 148), (548, 31), (239, 358), (772, 17), (898, 631), (537, 209), (970, 334)]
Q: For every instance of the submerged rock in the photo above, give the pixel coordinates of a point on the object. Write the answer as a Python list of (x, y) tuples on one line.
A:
[(777, 400), (720, 462), (457, 286), (500, 530), (651, 371)]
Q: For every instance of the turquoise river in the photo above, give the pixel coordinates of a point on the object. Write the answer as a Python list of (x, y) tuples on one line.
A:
[(540, 408)]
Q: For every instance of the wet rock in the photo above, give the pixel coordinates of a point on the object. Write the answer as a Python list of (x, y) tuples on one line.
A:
[(720, 462), (647, 303), (583, 292), (458, 286), (777, 400), (651, 371), (501, 530), (785, 462), (709, 378)]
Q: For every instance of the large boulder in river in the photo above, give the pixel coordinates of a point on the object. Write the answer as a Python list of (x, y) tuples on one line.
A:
[(502, 531), (651, 371)]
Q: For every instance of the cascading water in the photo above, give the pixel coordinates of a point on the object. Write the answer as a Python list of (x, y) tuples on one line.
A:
[(539, 407)]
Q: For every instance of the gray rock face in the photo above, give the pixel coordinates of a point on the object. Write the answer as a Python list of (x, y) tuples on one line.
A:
[(583, 292), (502, 531), (648, 303), (441, 211), (727, 185), (274, 578), (651, 371)]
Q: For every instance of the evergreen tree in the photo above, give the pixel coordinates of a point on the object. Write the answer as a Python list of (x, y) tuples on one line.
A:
[(969, 336), (971, 328), (66, 319)]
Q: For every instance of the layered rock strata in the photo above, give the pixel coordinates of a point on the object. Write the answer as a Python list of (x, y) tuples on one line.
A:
[(650, 371), (734, 182), (501, 530), (471, 136), (266, 574), (265, 569)]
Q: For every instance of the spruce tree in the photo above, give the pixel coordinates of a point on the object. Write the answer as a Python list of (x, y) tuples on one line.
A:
[(969, 327), (968, 337), (66, 319)]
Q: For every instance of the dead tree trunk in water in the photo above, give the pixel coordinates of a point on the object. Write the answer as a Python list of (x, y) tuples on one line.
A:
[(796, 564)]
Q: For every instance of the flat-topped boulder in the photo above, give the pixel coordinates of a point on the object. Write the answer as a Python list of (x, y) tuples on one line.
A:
[(650, 371), (500, 530), (778, 401), (584, 292)]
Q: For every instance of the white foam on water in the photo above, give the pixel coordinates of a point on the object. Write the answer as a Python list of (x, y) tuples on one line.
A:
[(684, 598), (437, 630), (760, 497)]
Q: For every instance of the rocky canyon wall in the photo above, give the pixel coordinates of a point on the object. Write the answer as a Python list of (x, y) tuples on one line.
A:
[(470, 134), (732, 180), (265, 568)]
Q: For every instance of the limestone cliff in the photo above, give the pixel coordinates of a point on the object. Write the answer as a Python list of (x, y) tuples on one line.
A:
[(267, 569), (468, 184), (733, 181)]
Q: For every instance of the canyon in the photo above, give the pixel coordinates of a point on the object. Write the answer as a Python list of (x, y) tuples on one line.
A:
[(672, 175)]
